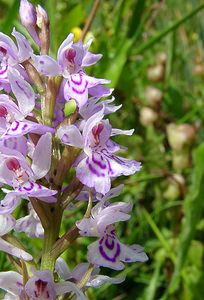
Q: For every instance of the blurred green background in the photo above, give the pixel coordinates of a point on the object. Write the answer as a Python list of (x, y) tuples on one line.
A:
[(153, 54)]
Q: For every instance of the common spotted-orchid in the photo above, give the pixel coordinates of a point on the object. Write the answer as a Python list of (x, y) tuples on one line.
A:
[(51, 160)]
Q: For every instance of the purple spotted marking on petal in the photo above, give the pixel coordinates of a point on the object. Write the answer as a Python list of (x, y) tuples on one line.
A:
[(3, 70), (98, 163), (82, 91), (77, 82), (101, 241), (127, 259), (29, 188), (107, 257), (10, 143), (112, 232), (24, 127), (110, 245), (93, 170), (16, 127)]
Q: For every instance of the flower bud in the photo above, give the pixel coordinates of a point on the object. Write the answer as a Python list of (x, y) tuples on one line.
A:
[(70, 107), (42, 16), (153, 96), (44, 29), (147, 116), (180, 136), (155, 73), (28, 19)]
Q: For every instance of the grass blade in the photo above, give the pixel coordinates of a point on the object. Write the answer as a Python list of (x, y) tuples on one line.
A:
[(168, 30), (193, 207)]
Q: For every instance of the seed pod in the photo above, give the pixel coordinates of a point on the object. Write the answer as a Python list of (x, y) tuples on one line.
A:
[(180, 136), (161, 58), (156, 73), (181, 160), (153, 96), (147, 116)]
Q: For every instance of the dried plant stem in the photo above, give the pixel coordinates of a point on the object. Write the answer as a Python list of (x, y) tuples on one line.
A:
[(90, 19)]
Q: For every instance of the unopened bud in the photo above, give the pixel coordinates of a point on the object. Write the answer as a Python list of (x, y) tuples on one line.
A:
[(42, 17), (44, 29), (70, 107), (28, 19), (147, 116), (153, 96), (156, 73), (180, 136)]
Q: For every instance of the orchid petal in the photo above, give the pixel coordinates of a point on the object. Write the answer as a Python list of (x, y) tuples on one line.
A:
[(7, 43), (33, 189), (23, 92), (76, 88), (18, 144), (19, 128), (11, 282), (116, 131), (90, 59), (24, 48), (9, 203), (4, 74), (7, 223), (46, 65), (94, 172), (62, 269), (66, 287), (30, 224), (42, 156), (9, 248), (98, 280), (34, 288), (67, 43), (100, 91), (70, 135), (109, 251)]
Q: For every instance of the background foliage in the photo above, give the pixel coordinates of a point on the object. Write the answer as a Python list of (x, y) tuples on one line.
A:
[(134, 38)]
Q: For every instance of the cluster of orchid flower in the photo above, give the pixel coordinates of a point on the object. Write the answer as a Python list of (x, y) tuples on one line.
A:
[(40, 146)]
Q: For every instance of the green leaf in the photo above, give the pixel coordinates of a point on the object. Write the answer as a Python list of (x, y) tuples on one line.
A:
[(118, 63)]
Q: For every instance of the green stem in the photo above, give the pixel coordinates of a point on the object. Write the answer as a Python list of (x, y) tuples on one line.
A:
[(159, 235), (48, 261), (51, 234)]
